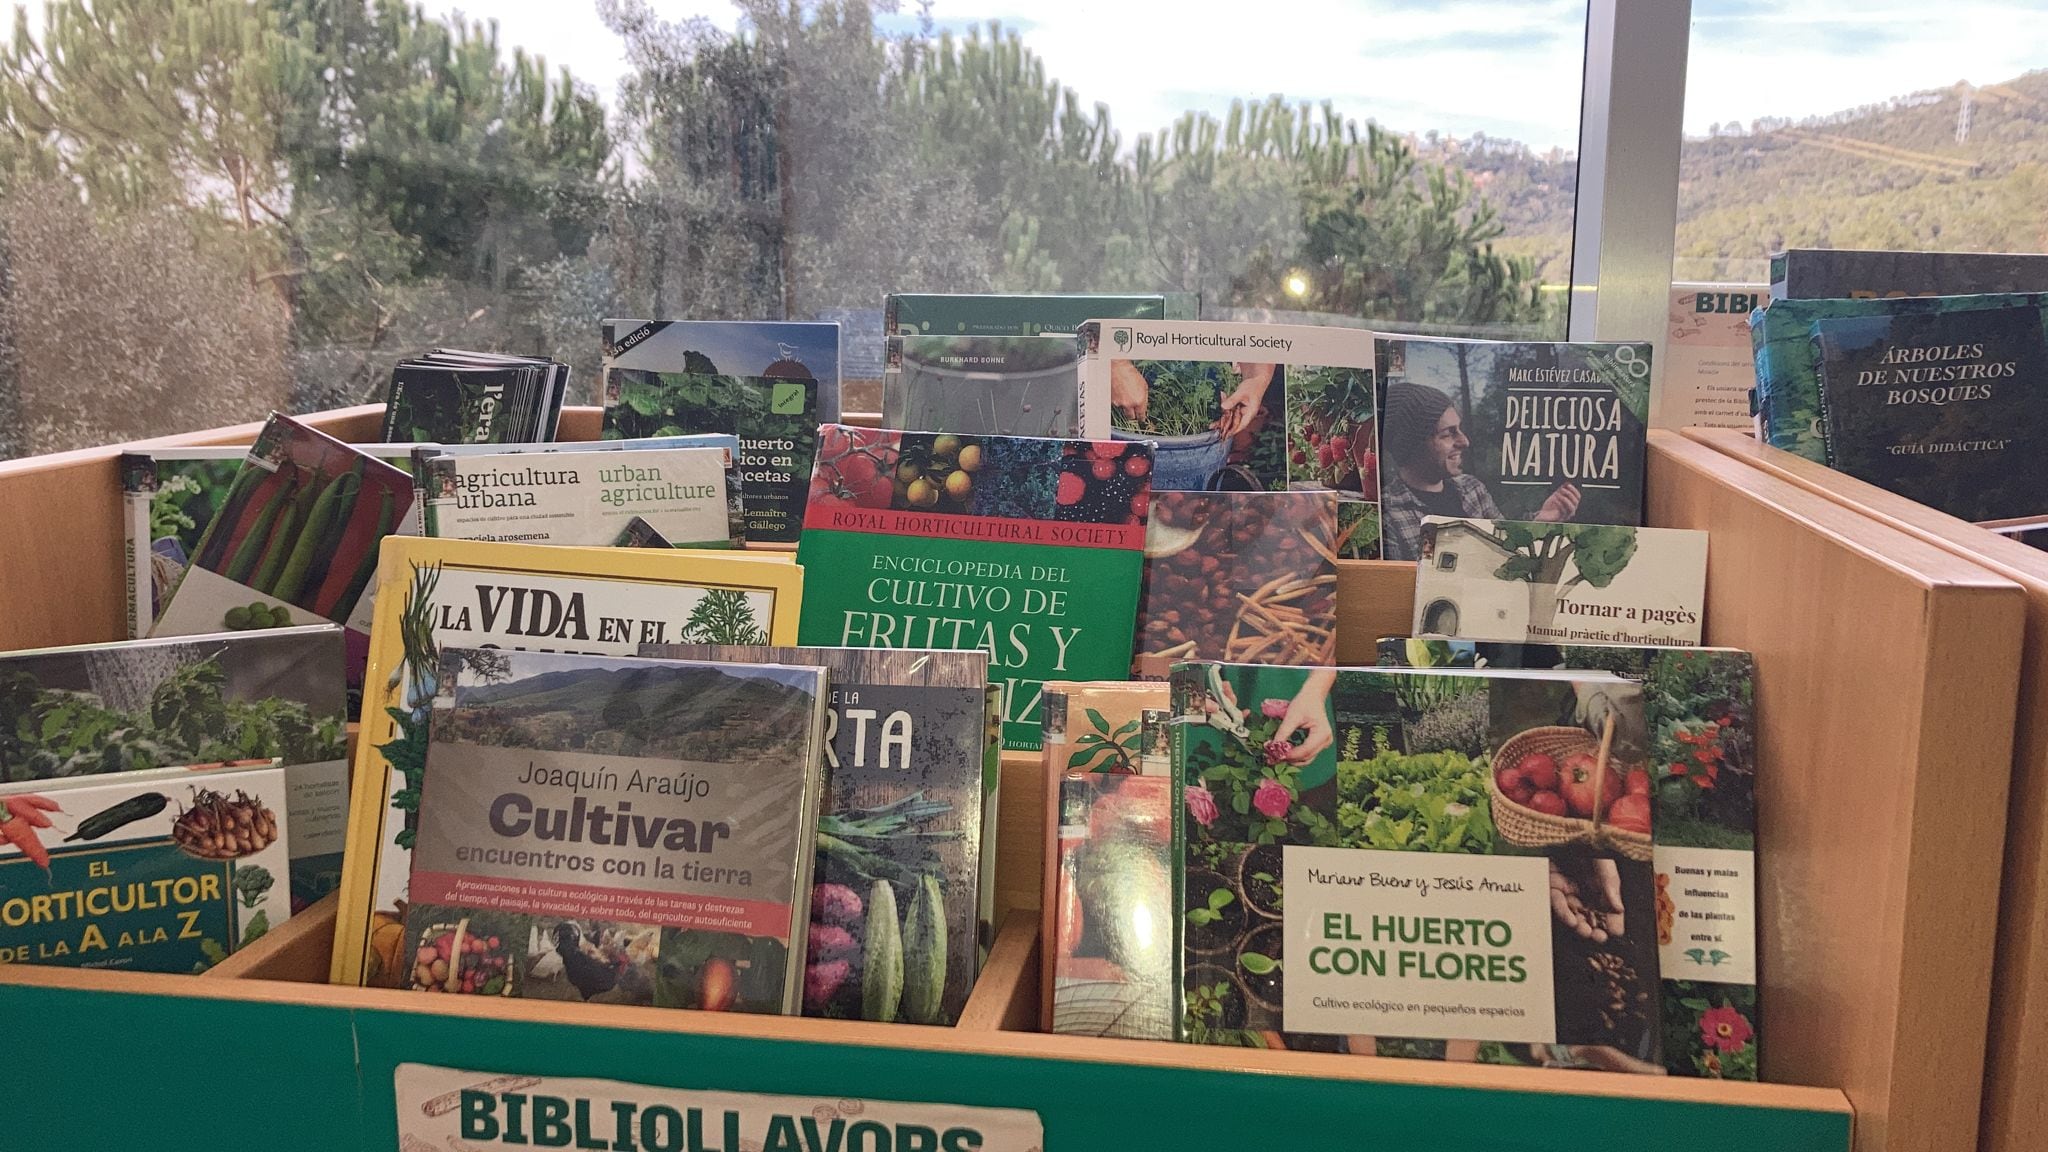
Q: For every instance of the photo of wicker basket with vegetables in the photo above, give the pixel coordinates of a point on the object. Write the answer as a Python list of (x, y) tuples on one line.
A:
[(1562, 785)]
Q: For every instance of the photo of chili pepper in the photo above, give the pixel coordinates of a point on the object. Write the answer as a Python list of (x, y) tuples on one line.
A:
[(20, 816)]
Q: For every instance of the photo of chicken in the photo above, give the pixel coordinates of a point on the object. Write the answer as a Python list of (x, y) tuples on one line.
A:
[(592, 960)]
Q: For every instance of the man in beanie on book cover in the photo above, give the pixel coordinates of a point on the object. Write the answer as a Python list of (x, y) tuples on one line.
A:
[(1422, 471)]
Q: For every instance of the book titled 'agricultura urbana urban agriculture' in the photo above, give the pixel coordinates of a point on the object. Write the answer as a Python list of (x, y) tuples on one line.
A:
[(617, 830), (1426, 913), (906, 848), (468, 593), (158, 872), (1028, 549)]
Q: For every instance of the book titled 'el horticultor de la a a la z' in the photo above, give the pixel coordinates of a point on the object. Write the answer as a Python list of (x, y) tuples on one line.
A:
[(617, 830), (469, 593), (1029, 549)]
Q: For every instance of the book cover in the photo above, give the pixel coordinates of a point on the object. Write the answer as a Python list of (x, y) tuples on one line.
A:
[(1709, 368), (169, 497), (780, 349), (1056, 314), (1509, 430), (294, 541), (906, 796), (1028, 549), (1836, 274), (474, 594), (1109, 876), (1422, 916), (415, 456), (616, 830), (459, 397), (1515, 580), (984, 385), (1788, 386), (1700, 713), (1947, 408), (1246, 407), (142, 875), (193, 703), (586, 498), (1247, 577), (775, 418)]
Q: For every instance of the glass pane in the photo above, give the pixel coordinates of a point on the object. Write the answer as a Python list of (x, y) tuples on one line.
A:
[(1886, 124), (210, 208)]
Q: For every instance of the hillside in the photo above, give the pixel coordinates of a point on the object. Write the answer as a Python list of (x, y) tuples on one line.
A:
[(1897, 175)]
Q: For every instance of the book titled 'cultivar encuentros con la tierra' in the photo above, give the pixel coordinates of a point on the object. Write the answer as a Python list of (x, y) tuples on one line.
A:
[(1028, 549), (617, 830)]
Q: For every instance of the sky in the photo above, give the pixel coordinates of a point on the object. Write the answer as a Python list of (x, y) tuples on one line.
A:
[(1507, 68)]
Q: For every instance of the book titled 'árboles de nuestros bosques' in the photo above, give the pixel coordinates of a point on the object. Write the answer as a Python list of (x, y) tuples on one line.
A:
[(690, 495), (617, 830), (1028, 549), (1509, 431), (468, 593), (1947, 407), (906, 839)]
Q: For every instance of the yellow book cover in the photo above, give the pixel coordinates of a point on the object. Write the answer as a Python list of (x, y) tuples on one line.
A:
[(475, 594)]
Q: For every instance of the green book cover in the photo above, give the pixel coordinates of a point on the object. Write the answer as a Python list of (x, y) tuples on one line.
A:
[(1699, 706), (167, 873), (776, 419), (1029, 549)]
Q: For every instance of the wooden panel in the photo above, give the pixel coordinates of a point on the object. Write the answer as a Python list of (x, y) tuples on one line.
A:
[(1375, 598), (299, 950), (1005, 997), (61, 516), (2015, 1106), (1885, 680)]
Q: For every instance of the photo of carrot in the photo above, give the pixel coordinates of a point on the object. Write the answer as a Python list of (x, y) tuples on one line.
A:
[(20, 816)]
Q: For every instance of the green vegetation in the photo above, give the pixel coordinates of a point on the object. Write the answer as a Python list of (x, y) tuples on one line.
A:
[(46, 732)]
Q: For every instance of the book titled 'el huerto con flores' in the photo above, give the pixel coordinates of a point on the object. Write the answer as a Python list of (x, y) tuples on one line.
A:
[(1029, 549)]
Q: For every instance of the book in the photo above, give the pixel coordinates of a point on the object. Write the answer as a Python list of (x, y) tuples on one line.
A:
[(775, 419), (142, 875), (1516, 580), (475, 594), (984, 385), (1509, 430), (1249, 577), (459, 397), (586, 499), (1788, 386), (1109, 873), (778, 349), (995, 314), (415, 456), (294, 541), (1709, 369), (168, 498), (1948, 408), (1029, 549), (615, 830), (1833, 274), (1700, 714), (1422, 916), (193, 703), (1246, 407), (771, 383), (908, 794)]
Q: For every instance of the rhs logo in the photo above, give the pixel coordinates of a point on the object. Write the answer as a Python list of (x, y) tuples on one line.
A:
[(1121, 337)]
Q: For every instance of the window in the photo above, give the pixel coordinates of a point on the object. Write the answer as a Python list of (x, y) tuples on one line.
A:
[(295, 195), (1874, 124)]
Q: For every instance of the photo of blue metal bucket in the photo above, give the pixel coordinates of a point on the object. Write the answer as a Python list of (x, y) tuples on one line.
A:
[(1184, 463)]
